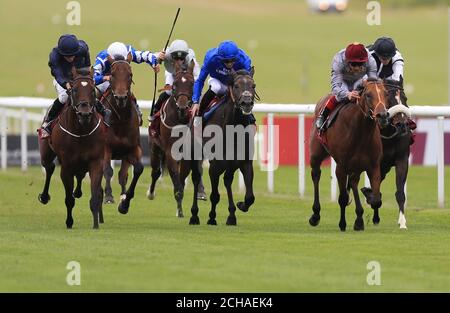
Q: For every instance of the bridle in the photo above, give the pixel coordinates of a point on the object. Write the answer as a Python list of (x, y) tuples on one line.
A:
[(254, 96), (369, 112), (187, 94), (129, 86), (76, 105)]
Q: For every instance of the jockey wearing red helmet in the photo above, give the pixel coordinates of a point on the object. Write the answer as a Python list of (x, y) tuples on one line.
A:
[(349, 68)]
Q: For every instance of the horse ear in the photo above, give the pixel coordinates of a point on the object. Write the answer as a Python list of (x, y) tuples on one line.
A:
[(401, 80), (91, 71), (252, 71), (191, 67), (129, 57)]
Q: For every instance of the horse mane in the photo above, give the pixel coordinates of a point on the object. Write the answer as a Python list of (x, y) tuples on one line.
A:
[(118, 57), (372, 79)]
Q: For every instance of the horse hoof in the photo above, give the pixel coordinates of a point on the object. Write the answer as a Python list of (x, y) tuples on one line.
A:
[(77, 194), (95, 226), (151, 196), (342, 227), (123, 207), (201, 196), (109, 199), (194, 220), (241, 206), (231, 221), (180, 214), (212, 222), (376, 221), (44, 199), (358, 226), (69, 224), (314, 221)]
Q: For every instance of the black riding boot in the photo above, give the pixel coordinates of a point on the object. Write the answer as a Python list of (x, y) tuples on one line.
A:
[(322, 118), (206, 100), (52, 113), (106, 113), (162, 97)]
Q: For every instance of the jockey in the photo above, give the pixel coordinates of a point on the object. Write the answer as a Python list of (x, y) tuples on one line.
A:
[(349, 68), (218, 63), (70, 52), (389, 60), (178, 52), (102, 67)]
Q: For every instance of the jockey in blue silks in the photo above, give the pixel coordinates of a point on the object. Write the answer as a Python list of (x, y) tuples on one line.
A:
[(218, 64), (70, 52), (120, 51)]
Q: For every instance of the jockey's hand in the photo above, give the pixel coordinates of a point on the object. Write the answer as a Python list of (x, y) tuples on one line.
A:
[(161, 56), (106, 78), (353, 95), (156, 68), (68, 86), (195, 108)]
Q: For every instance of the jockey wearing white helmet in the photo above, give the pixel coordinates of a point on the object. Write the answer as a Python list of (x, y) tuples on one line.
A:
[(120, 51), (178, 52)]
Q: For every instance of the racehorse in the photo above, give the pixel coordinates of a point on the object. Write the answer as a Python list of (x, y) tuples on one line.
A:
[(122, 137), (355, 144), (237, 147), (396, 139), (174, 113), (77, 140)]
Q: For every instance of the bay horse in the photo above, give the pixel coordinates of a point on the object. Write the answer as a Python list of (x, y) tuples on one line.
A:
[(175, 112), (396, 140), (122, 137), (77, 140), (237, 147), (355, 144)]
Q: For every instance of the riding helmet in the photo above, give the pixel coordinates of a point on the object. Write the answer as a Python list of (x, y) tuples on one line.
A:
[(228, 50), (385, 47), (356, 52), (68, 45)]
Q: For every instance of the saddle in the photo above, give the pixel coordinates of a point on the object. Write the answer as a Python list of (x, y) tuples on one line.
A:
[(212, 107)]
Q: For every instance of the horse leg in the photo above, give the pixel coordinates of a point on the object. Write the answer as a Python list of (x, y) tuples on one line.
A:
[(401, 172), (174, 172), (138, 168), (123, 178), (78, 193), (108, 173), (359, 210), (96, 174), (195, 167), (216, 168), (341, 176), (47, 161), (318, 154), (375, 196), (155, 161), (228, 181), (247, 171), (67, 179)]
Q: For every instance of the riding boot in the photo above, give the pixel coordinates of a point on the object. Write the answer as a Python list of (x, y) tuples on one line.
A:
[(206, 100), (106, 113), (52, 113), (162, 97), (322, 118)]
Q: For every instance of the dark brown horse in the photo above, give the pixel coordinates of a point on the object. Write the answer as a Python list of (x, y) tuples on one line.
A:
[(77, 140), (122, 138), (396, 139), (175, 114), (236, 147), (355, 144)]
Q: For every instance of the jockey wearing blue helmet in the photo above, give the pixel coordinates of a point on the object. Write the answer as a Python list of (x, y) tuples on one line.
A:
[(218, 64)]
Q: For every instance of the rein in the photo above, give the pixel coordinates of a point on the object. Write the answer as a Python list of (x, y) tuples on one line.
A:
[(79, 136), (370, 114)]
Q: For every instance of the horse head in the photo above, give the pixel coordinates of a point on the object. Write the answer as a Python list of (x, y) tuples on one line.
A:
[(242, 90), (398, 112), (82, 94), (121, 79), (373, 101), (182, 88)]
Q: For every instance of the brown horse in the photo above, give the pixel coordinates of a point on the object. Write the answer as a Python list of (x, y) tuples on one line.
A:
[(122, 138), (175, 113), (355, 144), (77, 140)]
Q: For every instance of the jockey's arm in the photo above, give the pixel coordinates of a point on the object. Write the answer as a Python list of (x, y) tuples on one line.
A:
[(58, 74), (397, 68), (371, 68), (199, 83), (338, 86), (98, 70)]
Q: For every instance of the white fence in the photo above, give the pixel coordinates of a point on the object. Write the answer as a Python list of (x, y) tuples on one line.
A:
[(24, 103)]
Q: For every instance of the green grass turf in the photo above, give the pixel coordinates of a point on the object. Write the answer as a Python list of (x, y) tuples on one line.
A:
[(291, 47), (273, 248)]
